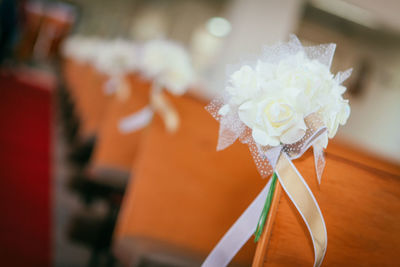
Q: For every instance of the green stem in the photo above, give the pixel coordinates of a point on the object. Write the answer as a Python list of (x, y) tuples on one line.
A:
[(265, 211)]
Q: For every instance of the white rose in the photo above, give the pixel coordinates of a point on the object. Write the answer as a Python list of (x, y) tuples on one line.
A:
[(335, 115), (332, 108), (243, 84), (272, 120), (320, 92)]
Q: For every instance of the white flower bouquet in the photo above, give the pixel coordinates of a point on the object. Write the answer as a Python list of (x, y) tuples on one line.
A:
[(273, 99), (280, 105)]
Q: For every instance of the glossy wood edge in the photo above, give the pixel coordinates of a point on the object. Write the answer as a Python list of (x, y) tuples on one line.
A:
[(262, 245)]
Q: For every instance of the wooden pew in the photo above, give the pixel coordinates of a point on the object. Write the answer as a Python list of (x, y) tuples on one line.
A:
[(185, 195), (115, 151), (96, 102), (86, 86), (360, 200), (71, 70)]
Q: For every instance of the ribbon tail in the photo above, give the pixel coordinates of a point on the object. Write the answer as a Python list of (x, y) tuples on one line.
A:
[(239, 233), (123, 90), (167, 112), (303, 199), (136, 121), (319, 161)]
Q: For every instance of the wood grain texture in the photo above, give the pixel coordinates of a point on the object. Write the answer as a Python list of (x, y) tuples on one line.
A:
[(360, 201), (259, 256), (184, 192), (113, 148)]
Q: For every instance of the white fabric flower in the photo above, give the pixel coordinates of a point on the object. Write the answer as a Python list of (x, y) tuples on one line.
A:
[(273, 119), (273, 99), (168, 64), (243, 84)]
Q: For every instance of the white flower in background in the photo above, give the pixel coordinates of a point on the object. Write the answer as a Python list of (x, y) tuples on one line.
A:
[(83, 49), (112, 57), (69, 45), (273, 99), (168, 64), (117, 57), (247, 78)]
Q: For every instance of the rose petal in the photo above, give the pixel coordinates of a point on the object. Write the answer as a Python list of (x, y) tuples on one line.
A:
[(333, 130), (262, 138), (344, 114), (301, 124), (247, 113)]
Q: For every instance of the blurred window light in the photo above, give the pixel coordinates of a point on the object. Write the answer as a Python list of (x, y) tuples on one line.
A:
[(204, 47), (218, 26), (150, 24), (348, 11)]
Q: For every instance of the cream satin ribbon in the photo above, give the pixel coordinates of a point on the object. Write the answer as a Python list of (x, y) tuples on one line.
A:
[(123, 91), (303, 199), (295, 187), (160, 104), (118, 85)]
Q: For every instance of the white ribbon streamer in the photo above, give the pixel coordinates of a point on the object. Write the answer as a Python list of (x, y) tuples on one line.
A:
[(136, 121), (245, 226), (238, 234)]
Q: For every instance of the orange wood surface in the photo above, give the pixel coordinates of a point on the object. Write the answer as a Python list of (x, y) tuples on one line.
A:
[(95, 102), (113, 148), (360, 201), (77, 76), (86, 86), (184, 192), (72, 70)]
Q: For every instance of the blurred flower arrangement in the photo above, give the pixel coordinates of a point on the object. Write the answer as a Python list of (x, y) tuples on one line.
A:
[(168, 64)]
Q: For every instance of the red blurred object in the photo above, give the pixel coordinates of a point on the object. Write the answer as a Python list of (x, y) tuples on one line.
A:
[(25, 172), (33, 14), (56, 23), (46, 25)]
